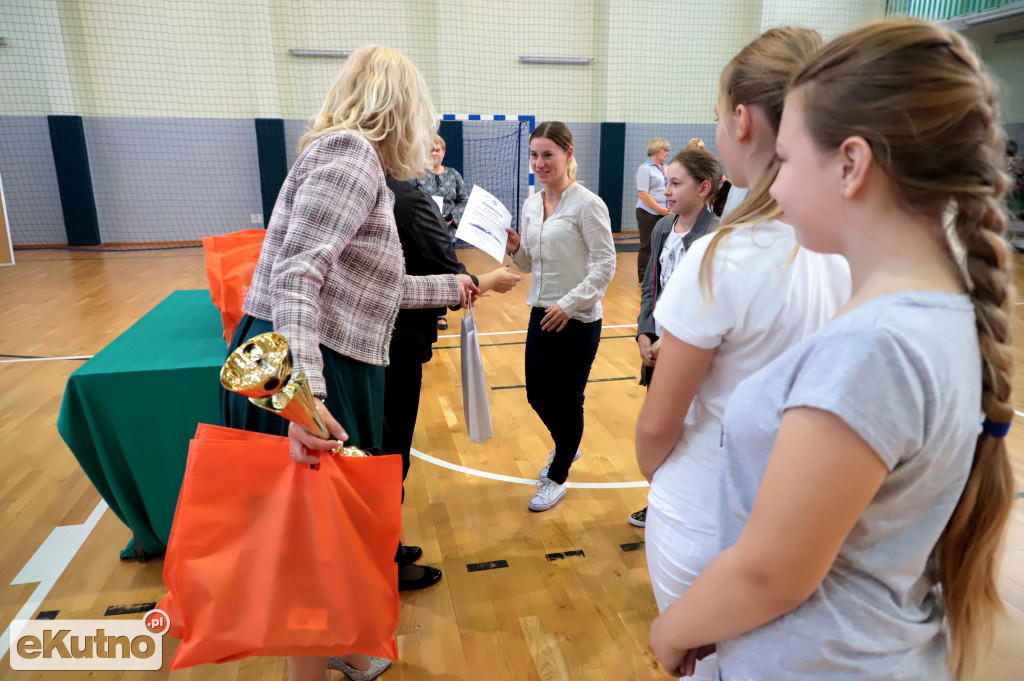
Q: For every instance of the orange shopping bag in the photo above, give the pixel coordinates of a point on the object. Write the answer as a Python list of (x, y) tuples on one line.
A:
[(230, 262), (269, 558), (204, 431)]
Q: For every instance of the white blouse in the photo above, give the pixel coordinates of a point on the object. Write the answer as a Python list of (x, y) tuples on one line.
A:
[(571, 254)]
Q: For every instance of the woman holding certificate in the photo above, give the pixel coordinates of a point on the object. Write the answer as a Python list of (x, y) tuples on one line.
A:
[(566, 241), (330, 277)]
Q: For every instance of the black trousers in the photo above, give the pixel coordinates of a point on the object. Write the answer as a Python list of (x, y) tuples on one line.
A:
[(403, 378), (645, 222), (557, 369)]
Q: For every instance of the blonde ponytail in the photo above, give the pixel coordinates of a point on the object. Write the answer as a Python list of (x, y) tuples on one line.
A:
[(758, 76)]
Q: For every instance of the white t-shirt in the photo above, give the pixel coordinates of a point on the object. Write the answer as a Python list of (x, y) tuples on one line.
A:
[(671, 255), (735, 198), (760, 307)]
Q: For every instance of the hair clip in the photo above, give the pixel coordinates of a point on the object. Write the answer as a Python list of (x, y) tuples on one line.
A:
[(993, 429)]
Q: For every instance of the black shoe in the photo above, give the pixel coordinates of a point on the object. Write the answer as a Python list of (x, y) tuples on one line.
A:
[(409, 554), (430, 577), (442, 323)]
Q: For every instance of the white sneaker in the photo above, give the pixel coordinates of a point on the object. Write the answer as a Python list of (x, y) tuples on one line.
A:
[(549, 494), (551, 457)]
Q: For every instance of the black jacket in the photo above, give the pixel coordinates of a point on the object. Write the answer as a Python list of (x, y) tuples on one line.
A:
[(427, 246)]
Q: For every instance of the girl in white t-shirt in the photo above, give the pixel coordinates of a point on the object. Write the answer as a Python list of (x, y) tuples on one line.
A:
[(739, 298), (863, 499)]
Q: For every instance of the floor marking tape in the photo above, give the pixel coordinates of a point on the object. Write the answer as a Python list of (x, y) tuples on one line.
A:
[(522, 481)]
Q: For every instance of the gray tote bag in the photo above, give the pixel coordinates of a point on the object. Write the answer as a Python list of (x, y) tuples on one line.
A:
[(475, 405)]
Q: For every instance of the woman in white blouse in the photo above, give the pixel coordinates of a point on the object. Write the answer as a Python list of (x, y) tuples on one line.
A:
[(650, 199), (566, 241)]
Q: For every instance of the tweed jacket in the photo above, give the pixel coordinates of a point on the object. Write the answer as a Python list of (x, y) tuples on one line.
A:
[(331, 270)]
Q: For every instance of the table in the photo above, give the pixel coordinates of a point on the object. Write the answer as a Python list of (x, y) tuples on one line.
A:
[(129, 412)]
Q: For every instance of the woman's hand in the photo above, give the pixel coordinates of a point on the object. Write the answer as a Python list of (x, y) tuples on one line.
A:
[(512, 247), (648, 357), (500, 280), (554, 320), (468, 291), (306, 446)]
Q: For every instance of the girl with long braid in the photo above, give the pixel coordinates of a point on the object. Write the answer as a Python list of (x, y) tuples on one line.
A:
[(866, 483)]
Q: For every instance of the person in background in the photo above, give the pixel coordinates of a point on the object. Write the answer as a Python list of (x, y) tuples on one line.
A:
[(447, 184), (567, 243), (722, 197), (864, 499), (695, 143), (650, 202), (693, 177), (427, 250), (741, 296), (330, 275), (1015, 169)]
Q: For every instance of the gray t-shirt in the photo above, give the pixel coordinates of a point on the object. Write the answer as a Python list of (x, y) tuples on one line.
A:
[(904, 372)]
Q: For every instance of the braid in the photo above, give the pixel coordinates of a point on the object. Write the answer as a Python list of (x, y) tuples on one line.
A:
[(980, 228), (967, 554)]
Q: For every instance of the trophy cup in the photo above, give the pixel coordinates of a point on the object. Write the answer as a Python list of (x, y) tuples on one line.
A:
[(261, 369)]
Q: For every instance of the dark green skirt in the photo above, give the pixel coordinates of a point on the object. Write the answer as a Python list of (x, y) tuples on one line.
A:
[(355, 395)]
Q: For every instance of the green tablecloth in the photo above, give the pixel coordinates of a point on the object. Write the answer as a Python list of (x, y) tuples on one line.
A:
[(129, 412)]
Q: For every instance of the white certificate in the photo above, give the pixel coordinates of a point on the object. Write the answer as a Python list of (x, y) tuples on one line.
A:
[(439, 200), (483, 223)]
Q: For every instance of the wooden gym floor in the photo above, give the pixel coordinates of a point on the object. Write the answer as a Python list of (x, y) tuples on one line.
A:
[(582, 616)]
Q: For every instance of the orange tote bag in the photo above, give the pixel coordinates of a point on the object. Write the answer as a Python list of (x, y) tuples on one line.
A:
[(230, 262), (269, 558)]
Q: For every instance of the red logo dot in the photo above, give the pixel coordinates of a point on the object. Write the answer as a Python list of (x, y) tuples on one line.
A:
[(157, 621)]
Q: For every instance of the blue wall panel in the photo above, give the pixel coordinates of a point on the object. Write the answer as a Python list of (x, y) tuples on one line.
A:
[(173, 179), (30, 181)]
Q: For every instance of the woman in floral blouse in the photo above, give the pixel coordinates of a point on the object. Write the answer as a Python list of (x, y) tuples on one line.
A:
[(447, 184)]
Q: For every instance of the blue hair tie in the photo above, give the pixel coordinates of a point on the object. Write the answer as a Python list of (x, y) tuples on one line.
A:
[(993, 429)]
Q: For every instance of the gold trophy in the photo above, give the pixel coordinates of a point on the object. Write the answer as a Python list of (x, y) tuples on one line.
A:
[(261, 369)]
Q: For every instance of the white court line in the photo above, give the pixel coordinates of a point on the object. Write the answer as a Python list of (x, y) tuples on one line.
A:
[(1018, 413), (455, 335), (48, 563), (42, 359), (509, 333), (521, 481)]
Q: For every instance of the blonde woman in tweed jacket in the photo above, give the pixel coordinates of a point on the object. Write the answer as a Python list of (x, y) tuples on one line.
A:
[(330, 277)]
